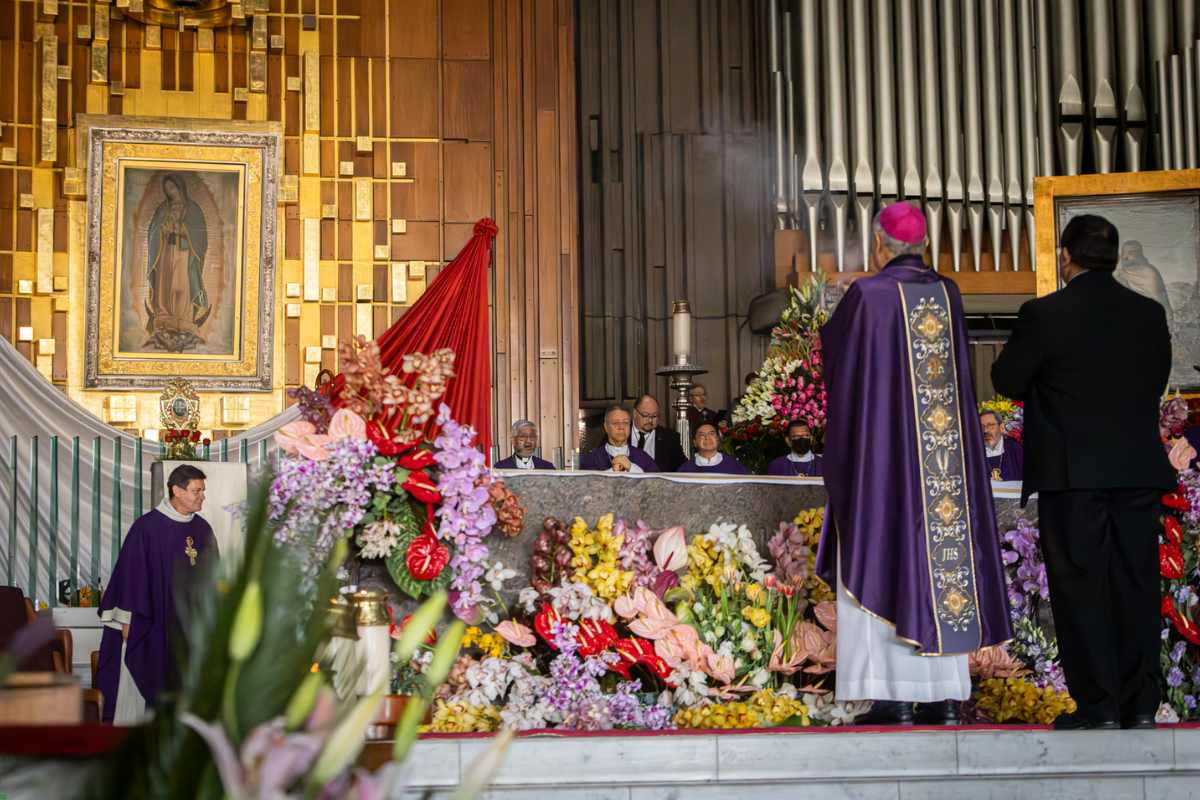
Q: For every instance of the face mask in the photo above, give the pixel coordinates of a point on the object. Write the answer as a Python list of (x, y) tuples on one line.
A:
[(801, 445)]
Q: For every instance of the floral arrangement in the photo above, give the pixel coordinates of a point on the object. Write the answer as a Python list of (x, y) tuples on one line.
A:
[(377, 468), (181, 443), (789, 385), (1010, 412), (1179, 568)]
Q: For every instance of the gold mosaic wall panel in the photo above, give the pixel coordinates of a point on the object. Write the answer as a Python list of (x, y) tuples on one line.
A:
[(404, 121)]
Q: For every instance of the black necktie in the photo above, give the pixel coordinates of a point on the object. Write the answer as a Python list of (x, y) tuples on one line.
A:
[(641, 439)]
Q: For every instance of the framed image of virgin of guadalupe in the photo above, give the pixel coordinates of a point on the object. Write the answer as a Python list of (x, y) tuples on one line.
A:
[(180, 253), (1157, 216)]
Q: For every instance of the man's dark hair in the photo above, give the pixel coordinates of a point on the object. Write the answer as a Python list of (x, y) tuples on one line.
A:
[(614, 407), (182, 475), (1092, 241), (716, 430), (993, 414), (750, 376), (798, 423)]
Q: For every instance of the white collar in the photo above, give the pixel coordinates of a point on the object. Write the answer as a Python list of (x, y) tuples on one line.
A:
[(804, 459), (998, 450), (701, 461), (523, 463), (167, 510), (614, 451)]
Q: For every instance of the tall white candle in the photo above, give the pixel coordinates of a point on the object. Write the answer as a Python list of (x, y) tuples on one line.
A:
[(681, 330)]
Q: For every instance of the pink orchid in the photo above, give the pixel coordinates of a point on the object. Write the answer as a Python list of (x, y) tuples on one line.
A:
[(670, 549), (516, 633)]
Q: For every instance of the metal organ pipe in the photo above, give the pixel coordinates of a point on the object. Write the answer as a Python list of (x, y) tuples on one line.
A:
[(1132, 86), (860, 78), (885, 102), (1029, 126), (972, 131), (835, 122), (992, 126), (931, 129), (951, 130), (1014, 200), (1102, 72), (812, 172)]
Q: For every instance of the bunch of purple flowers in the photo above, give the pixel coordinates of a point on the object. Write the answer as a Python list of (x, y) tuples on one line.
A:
[(466, 513), (314, 503), (1025, 571)]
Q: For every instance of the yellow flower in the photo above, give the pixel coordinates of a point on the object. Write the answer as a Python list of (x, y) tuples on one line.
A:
[(595, 558), (758, 617), (463, 718), (470, 636), (763, 710), (754, 592), (1018, 700)]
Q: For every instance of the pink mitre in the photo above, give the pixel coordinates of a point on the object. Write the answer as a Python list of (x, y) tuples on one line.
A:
[(904, 222)]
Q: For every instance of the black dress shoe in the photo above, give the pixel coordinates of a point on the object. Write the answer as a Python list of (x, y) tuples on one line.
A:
[(887, 712), (943, 713), (1081, 722), (1139, 722)]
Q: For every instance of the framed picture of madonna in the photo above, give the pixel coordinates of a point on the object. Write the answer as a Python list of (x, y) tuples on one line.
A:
[(180, 253), (1157, 215)]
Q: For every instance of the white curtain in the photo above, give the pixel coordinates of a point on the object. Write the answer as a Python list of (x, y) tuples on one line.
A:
[(31, 406)]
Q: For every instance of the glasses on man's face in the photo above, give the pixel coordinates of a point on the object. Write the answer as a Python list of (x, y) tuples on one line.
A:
[(644, 415)]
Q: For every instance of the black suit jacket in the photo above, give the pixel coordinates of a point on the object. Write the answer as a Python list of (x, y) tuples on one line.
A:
[(668, 453), (1091, 362)]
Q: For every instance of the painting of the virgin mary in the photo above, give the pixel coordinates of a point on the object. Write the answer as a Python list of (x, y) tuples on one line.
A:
[(177, 303)]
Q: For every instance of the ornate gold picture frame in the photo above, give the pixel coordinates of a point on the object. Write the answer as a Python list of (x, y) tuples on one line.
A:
[(180, 277), (1157, 215)]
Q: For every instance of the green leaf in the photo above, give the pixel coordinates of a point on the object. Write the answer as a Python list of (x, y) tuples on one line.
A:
[(397, 567)]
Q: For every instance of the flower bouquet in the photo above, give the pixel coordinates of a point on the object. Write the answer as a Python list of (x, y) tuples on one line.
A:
[(1179, 568), (379, 469), (789, 385), (181, 444)]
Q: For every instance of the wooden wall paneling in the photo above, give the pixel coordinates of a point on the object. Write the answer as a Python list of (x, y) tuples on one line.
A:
[(328, 328), (345, 316), (276, 93), (343, 96), (413, 28), (349, 34), (329, 233), (362, 96), (221, 61), (26, 67), (381, 95), (6, 319), (467, 100), (415, 97), (8, 56), (328, 105), (292, 374), (167, 60), (187, 60), (345, 239), (345, 286), (468, 180), (465, 29), (455, 236), (58, 331), (329, 160), (6, 273), (291, 233), (421, 243)]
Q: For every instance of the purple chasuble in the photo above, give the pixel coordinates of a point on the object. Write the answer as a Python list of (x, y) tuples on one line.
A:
[(511, 463), (910, 500), (1010, 464), (813, 468), (599, 459), (728, 466), (154, 568)]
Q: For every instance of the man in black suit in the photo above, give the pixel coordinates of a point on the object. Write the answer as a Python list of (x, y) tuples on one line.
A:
[(658, 442), (1091, 362)]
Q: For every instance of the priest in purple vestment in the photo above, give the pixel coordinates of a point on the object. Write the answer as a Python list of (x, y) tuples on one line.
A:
[(1005, 456), (910, 537), (800, 459), (616, 454), (707, 457), (164, 555), (525, 442)]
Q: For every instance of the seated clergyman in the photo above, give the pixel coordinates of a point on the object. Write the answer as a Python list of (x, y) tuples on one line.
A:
[(525, 442), (615, 454), (707, 457), (1005, 456), (800, 460), (163, 557)]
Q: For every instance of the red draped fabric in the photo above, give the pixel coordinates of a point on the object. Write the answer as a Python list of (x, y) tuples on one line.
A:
[(453, 313)]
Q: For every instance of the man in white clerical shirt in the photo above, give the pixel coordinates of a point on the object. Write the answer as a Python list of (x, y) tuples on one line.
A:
[(615, 454), (166, 553), (525, 442)]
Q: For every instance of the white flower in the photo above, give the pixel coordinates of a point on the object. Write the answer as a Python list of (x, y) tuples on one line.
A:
[(497, 574), (787, 690), (379, 539), (759, 679), (1166, 714), (528, 599)]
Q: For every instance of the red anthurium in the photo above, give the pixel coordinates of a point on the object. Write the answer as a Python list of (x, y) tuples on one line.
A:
[(1186, 627), (426, 557), (595, 636), (638, 651), (1176, 500), (544, 622), (418, 459), (430, 640), (384, 442), (422, 488), (1170, 561), (1168, 606), (1172, 530)]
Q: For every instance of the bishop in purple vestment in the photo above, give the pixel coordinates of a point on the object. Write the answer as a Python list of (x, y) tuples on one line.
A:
[(163, 556), (525, 442), (910, 532), (708, 458), (800, 460), (616, 454)]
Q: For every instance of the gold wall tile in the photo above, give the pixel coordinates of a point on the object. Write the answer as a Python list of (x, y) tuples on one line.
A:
[(311, 146), (277, 41), (416, 270), (25, 200), (72, 182), (382, 251), (258, 71), (50, 8), (100, 22), (205, 40), (25, 333), (240, 94), (64, 72), (399, 169), (45, 365), (24, 286), (312, 355), (45, 347), (62, 303), (364, 196), (61, 283), (293, 310), (152, 38), (346, 168), (329, 211), (312, 91), (311, 371), (329, 342), (235, 410), (363, 144), (294, 83), (363, 293), (312, 259), (258, 32), (99, 62), (238, 11), (399, 226), (364, 320), (45, 250), (120, 408), (8, 154), (399, 282), (116, 88), (292, 290), (328, 294), (48, 147), (289, 189)]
